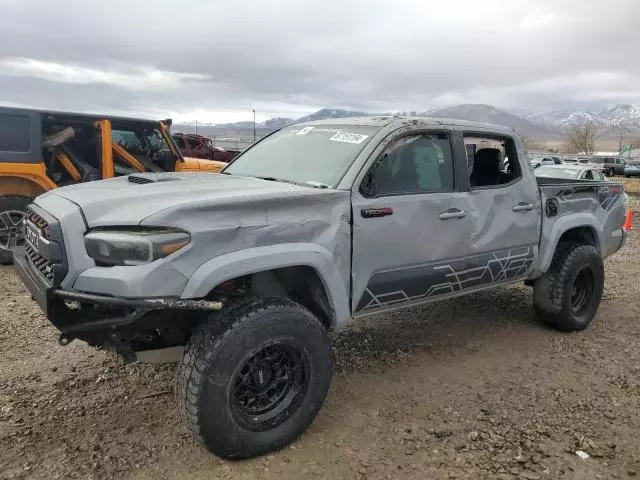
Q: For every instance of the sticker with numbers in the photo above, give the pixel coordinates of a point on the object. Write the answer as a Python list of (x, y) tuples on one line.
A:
[(348, 137)]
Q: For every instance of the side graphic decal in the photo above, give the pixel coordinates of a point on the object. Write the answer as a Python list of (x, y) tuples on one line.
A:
[(607, 195), (414, 283)]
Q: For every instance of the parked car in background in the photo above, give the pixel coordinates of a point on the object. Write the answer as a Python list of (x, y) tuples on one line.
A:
[(198, 146), (608, 165), (632, 170), (570, 172), (537, 162)]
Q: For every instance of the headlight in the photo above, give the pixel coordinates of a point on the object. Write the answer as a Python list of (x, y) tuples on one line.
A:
[(135, 246)]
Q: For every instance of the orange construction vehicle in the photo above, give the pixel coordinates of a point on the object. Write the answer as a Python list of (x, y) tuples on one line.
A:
[(42, 150)]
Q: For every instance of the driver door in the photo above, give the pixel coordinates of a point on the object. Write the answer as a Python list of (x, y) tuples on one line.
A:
[(411, 224)]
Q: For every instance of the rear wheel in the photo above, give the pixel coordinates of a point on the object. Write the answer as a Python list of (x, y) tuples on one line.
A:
[(568, 295), (612, 172), (12, 211), (254, 377)]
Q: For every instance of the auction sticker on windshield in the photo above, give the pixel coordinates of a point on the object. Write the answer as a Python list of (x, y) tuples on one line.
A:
[(348, 137)]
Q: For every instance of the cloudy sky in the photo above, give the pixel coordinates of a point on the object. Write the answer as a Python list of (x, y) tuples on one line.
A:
[(216, 60)]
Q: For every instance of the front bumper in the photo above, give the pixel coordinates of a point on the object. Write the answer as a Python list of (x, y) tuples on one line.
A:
[(75, 313)]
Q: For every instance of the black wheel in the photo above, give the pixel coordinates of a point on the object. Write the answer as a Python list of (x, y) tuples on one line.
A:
[(568, 295), (12, 210), (254, 376), (612, 172)]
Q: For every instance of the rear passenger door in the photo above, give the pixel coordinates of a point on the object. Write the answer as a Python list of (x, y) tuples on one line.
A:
[(411, 223), (505, 209)]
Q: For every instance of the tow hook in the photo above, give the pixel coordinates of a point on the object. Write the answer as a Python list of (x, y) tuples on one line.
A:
[(65, 339)]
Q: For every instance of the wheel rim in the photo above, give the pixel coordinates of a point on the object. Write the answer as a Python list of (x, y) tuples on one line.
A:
[(269, 386), (11, 229), (582, 291)]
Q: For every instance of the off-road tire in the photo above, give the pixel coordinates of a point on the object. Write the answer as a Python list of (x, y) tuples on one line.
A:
[(554, 293), (216, 355), (11, 203)]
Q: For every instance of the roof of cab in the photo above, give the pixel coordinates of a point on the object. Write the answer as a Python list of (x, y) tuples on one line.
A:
[(389, 120), (78, 116)]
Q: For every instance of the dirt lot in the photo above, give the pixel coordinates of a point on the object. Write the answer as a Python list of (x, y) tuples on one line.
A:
[(471, 388)]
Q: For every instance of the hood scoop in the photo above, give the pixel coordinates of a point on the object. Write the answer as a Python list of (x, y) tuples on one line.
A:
[(142, 179)]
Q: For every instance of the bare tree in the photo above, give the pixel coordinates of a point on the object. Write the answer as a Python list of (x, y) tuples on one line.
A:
[(582, 139)]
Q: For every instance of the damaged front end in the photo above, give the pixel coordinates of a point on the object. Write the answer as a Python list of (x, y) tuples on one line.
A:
[(126, 326)]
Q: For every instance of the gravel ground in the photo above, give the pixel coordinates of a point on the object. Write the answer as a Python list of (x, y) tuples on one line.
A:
[(470, 388)]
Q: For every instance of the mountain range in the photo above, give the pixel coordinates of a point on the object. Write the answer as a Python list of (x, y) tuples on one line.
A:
[(610, 121)]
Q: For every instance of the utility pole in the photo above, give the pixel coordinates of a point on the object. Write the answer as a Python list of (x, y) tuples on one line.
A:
[(254, 125), (620, 144)]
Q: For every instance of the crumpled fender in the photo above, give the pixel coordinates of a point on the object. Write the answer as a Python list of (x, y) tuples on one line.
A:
[(259, 259)]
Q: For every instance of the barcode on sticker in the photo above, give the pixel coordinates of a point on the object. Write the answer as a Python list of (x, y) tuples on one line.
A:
[(348, 137)]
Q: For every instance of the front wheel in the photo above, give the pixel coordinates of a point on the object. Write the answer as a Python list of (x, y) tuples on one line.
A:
[(568, 295), (254, 377), (612, 172), (12, 211)]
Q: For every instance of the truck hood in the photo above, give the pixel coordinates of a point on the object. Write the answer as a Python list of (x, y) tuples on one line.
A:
[(176, 199)]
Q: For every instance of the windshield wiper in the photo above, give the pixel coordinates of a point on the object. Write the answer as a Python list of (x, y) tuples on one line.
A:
[(274, 179)]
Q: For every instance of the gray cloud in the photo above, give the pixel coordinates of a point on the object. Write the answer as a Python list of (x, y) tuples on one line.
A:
[(218, 60)]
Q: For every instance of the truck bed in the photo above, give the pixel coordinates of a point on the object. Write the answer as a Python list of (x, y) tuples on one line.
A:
[(565, 202)]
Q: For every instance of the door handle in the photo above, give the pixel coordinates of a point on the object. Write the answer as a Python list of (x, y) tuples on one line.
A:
[(452, 213), (522, 207)]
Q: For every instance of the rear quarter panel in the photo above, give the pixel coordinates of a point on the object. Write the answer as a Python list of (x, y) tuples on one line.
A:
[(596, 205)]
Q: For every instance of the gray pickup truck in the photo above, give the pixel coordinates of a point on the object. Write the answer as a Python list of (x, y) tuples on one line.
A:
[(314, 226)]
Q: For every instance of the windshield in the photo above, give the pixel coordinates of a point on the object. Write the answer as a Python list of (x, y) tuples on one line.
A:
[(312, 155), (554, 172)]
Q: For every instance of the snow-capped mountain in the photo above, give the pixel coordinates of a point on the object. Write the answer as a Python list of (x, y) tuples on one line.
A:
[(490, 114), (611, 120)]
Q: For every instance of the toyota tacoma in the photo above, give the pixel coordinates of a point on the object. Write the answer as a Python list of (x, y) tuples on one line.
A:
[(245, 272)]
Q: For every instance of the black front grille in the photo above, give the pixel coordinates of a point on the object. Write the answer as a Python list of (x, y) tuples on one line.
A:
[(44, 266), (38, 221), (34, 257)]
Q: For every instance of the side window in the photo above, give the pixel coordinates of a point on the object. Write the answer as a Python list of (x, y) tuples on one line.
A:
[(587, 175), (412, 165), (129, 141), (15, 133), (494, 163), (597, 175)]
